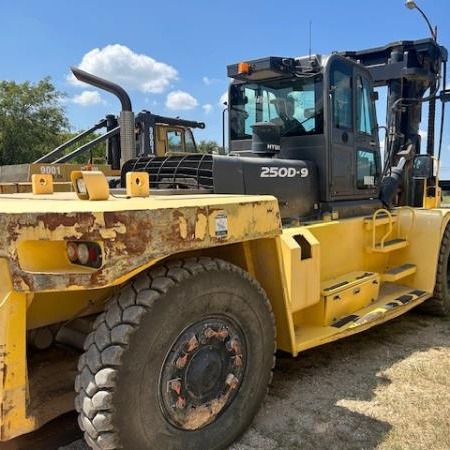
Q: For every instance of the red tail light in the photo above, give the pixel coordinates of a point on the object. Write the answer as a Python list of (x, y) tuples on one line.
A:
[(84, 253)]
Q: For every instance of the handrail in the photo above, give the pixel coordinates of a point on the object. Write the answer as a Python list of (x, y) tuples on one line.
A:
[(386, 235)]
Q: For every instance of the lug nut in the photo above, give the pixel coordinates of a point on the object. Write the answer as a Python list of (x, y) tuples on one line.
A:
[(180, 403), (192, 344), (175, 385), (181, 361), (231, 381)]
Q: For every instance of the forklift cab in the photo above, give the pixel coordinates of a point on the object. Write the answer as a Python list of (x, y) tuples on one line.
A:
[(174, 140), (327, 116)]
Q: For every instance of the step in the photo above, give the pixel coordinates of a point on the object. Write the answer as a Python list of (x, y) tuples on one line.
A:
[(389, 246), (379, 221), (393, 300), (399, 272)]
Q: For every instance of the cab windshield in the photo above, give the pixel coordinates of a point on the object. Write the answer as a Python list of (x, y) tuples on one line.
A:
[(296, 105)]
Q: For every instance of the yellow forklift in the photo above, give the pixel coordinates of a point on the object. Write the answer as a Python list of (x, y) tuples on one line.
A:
[(163, 301), (154, 135)]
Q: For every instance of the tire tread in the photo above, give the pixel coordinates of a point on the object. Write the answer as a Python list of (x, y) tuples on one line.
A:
[(110, 337), (439, 304)]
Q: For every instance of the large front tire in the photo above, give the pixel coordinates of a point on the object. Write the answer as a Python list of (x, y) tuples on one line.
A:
[(181, 358), (439, 304)]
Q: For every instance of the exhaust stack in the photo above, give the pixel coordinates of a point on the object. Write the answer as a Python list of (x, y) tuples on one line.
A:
[(126, 118)]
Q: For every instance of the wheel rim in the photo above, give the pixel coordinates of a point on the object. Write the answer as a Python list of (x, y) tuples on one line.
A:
[(202, 373)]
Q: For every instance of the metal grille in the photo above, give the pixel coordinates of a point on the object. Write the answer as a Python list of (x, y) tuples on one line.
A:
[(181, 171)]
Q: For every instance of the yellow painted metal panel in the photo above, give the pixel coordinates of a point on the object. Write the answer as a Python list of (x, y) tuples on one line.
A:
[(302, 273), (423, 249), (351, 297), (13, 366), (47, 308), (269, 271), (68, 202), (133, 239)]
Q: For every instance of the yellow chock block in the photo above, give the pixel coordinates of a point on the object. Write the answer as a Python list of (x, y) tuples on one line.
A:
[(138, 184), (90, 185), (42, 183)]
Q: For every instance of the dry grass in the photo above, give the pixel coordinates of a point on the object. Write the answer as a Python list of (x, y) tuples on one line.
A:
[(388, 388), (415, 402)]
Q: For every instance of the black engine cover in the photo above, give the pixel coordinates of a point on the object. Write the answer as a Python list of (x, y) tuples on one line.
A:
[(293, 182)]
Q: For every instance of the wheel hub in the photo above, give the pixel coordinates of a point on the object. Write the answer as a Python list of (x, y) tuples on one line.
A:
[(202, 373)]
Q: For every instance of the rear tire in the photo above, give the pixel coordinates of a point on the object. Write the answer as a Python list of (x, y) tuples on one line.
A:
[(439, 304), (181, 358)]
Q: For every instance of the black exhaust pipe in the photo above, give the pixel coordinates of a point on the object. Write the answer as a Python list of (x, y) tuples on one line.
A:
[(126, 119), (106, 85)]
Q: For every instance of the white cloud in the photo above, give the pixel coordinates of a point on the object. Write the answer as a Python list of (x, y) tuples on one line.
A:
[(208, 81), (223, 98), (88, 98), (207, 108), (129, 69), (179, 100)]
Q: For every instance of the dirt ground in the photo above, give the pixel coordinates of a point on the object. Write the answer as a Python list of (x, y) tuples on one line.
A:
[(385, 389), (388, 388)]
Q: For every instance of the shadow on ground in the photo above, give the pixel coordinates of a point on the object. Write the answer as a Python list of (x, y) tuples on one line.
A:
[(302, 409)]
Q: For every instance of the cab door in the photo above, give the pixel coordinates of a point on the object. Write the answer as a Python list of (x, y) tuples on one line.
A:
[(342, 145)]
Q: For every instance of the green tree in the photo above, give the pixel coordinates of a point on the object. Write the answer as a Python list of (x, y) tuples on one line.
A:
[(97, 153), (32, 120), (208, 147)]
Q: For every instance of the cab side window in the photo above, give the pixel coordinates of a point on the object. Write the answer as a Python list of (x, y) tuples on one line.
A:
[(364, 117), (342, 96), (366, 170), (189, 142)]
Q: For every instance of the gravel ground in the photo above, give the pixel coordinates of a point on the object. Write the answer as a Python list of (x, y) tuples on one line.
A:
[(387, 388)]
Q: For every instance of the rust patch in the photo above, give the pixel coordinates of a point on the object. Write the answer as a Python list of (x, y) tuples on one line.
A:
[(52, 221), (205, 414), (137, 230), (3, 373), (131, 239)]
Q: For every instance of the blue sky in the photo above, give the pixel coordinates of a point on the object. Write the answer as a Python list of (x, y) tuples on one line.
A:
[(172, 56)]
